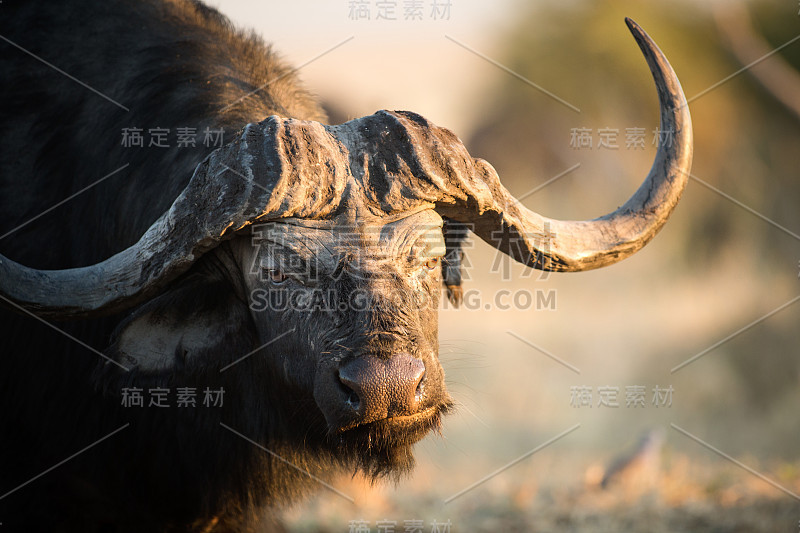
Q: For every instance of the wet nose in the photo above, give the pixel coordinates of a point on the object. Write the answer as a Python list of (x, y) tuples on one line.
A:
[(378, 388)]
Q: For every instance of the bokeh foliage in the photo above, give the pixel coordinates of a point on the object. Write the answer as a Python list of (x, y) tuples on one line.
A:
[(747, 144)]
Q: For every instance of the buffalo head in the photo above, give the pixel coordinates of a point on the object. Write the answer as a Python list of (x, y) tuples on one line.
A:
[(319, 251)]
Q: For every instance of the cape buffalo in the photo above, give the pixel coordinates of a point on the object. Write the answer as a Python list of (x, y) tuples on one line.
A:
[(196, 329)]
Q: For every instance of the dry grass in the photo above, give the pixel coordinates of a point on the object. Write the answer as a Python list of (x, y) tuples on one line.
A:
[(661, 493)]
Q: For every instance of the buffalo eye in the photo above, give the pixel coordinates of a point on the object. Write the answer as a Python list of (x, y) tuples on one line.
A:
[(275, 276), (432, 263)]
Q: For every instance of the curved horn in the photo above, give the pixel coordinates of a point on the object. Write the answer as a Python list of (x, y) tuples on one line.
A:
[(571, 246), (257, 177), (470, 191)]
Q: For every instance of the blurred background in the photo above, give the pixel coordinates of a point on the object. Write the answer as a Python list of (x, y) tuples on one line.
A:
[(556, 95)]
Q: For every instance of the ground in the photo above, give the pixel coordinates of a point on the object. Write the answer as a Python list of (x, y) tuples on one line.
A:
[(663, 493)]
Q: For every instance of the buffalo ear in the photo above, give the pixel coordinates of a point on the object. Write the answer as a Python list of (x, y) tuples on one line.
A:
[(455, 233), (198, 324)]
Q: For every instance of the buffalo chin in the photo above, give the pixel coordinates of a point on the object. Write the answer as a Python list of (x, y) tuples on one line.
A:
[(383, 449)]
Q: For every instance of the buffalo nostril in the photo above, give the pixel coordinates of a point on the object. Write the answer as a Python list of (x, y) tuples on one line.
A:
[(354, 400), (349, 389), (420, 390)]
